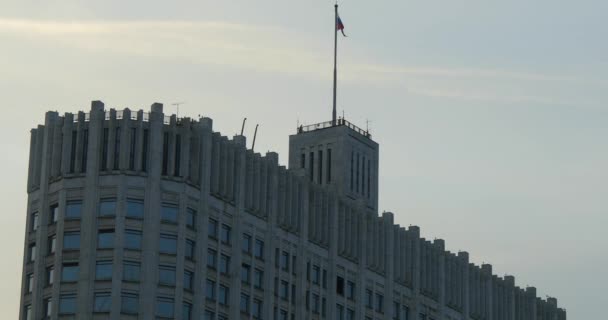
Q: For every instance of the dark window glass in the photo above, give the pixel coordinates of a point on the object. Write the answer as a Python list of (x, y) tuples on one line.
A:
[(256, 309), (352, 170), (34, 222), (212, 228), (328, 165), (209, 315), (103, 302), (73, 151), (379, 302), (191, 218), (225, 234), (320, 160), (67, 304), (85, 150), (71, 241), (166, 275), (52, 244), (188, 279), (340, 285), (363, 176), (69, 272), (144, 154), (103, 270), (178, 154), (186, 311), (165, 153), (259, 249), (368, 177), (211, 258), (135, 208), (130, 271), (53, 213), (284, 290), (48, 307), (104, 150), (303, 161), (339, 312), (244, 302), (105, 239), (224, 264), (350, 290), (168, 244), (245, 273), (316, 275), (223, 295), (30, 282), (246, 243), (50, 275), (357, 167), (210, 289), (189, 249), (164, 307), (169, 213), (116, 148), (258, 278), (369, 299), (132, 149), (284, 261), (311, 169), (132, 239), (350, 314), (73, 209), (129, 303)]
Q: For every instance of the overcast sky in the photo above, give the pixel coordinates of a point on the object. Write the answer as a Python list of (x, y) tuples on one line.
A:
[(492, 116)]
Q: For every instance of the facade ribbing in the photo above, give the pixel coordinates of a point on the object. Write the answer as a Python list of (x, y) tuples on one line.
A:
[(135, 215)]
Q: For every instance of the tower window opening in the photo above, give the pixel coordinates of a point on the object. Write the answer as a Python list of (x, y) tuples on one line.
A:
[(132, 149), (320, 166), (165, 152), (311, 161), (104, 149), (357, 173), (303, 161), (369, 164), (144, 156), (328, 166), (85, 149), (363, 176), (178, 156), (117, 148), (73, 151), (352, 168)]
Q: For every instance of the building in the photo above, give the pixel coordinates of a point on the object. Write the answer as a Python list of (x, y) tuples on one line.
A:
[(135, 215)]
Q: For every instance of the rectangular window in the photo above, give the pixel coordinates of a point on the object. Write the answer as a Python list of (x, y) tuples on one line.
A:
[(245, 273), (131, 271), (256, 309), (316, 275), (132, 239), (352, 170), (316, 306), (284, 290), (165, 153), (52, 244), (144, 153), (244, 303), (73, 209), (284, 261), (67, 304), (339, 312), (246, 243), (166, 275), (103, 270), (212, 229), (69, 272), (303, 161), (224, 264), (178, 154), (379, 302), (73, 151), (350, 290), (189, 249), (135, 208), (225, 234), (34, 222), (311, 168), (188, 279), (53, 213), (210, 290), (85, 150), (396, 310), (259, 249), (324, 279), (211, 258), (328, 165), (104, 150), (164, 307), (129, 303), (191, 218), (48, 307), (105, 239), (369, 299), (116, 148), (258, 279), (340, 285), (103, 302), (320, 160), (186, 311), (168, 244), (368, 177), (168, 213), (50, 275), (27, 312), (223, 295), (30, 282), (357, 182), (71, 240), (209, 315), (363, 176), (350, 314), (107, 207), (132, 149)]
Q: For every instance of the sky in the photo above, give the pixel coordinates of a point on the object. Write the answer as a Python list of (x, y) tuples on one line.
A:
[(492, 116)]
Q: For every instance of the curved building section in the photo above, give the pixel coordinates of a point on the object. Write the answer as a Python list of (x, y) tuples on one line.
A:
[(138, 215)]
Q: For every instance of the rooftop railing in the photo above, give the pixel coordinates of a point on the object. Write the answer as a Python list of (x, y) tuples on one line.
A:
[(329, 124)]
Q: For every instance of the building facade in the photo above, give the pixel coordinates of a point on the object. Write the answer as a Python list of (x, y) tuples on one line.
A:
[(138, 215)]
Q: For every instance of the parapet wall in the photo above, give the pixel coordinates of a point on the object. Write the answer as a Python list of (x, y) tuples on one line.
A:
[(306, 210)]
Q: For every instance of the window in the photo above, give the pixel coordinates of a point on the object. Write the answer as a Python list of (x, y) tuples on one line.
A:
[(103, 270), (53, 213), (34, 222), (178, 153), (245, 273), (164, 307), (71, 240), (128, 303), (284, 290), (30, 282), (352, 168), (130, 271), (105, 239), (320, 160), (189, 249), (303, 161), (107, 207), (225, 234), (369, 299), (191, 218), (210, 289), (350, 314), (133, 239), (328, 166), (396, 309), (188, 280), (69, 272), (324, 279), (211, 258), (168, 213), (103, 302), (244, 303), (357, 183), (27, 312), (223, 295), (52, 244), (116, 147), (258, 278), (104, 148), (212, 229), (50, 275), (135, 208), (186, 311), (340, 285), (350, 290), (339, 312), (73, 209), (316, 275), (224, 264), (256, 309), (85, 149), (258, 250), (166, 275), (284, 261), (379, 302), (246, 243), (73, 151), (48, 307), (67, 304), (165, 153), (311, 162), (168, 244), (405, 313), (144, 153), (315, 303), (209, 315)]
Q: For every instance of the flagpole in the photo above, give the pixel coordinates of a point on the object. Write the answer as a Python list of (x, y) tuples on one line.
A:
[(333, 119)]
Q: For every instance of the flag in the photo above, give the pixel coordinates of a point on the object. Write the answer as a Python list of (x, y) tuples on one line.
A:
[(340, 25)]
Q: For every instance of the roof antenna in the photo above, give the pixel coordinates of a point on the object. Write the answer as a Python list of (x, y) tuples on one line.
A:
[(177, 104), (255, 133), (243, 126)]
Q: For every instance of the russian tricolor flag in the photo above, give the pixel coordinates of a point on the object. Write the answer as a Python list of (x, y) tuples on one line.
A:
[(340, 25)]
